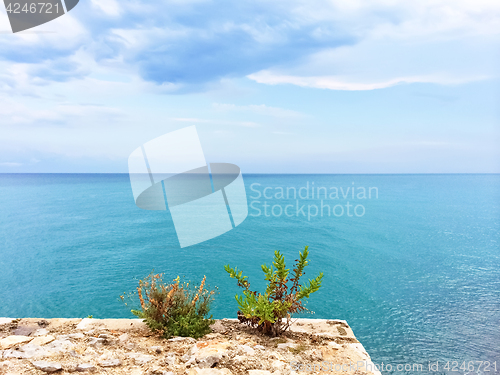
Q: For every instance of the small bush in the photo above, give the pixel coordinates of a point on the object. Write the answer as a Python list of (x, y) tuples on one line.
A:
[(271, 312), (176, 309)]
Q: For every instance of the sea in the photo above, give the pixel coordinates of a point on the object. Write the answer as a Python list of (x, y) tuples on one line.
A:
[(410, 261)]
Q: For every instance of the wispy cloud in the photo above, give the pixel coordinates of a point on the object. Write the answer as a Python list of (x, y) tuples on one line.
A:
[(261, 109), (247, 124), (109, 7), (63, 114), (335, 83), (10, 164)]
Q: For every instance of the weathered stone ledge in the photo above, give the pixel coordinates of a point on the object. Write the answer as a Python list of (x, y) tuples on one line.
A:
[(126, 346)]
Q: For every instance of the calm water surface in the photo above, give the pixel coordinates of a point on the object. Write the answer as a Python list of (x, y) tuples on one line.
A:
[(417, 275)]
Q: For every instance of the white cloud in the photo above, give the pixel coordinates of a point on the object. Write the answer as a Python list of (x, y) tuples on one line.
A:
[(109, 7), (259, 109), (344, 36), (32, 113), (340, 83), (11, 164), (406, 19), (431, 41), (247, 124)]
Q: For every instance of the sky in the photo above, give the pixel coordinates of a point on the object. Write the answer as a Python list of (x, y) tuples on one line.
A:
[(296, 86)]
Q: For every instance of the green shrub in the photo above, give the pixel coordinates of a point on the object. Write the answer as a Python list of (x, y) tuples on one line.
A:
[(175, 309), (271, 312)]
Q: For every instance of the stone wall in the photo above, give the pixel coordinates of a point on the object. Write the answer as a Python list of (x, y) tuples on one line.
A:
[(126, 346)]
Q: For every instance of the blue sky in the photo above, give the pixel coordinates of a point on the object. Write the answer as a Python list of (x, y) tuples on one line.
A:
[(297, 86)]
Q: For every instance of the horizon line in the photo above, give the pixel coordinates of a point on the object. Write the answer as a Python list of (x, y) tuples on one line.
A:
[(271, 173)]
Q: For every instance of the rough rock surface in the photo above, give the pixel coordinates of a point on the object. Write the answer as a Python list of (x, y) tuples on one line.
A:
[(126, 346)]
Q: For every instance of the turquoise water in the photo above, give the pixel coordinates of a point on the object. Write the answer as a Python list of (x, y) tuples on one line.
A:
[(417, 275)]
